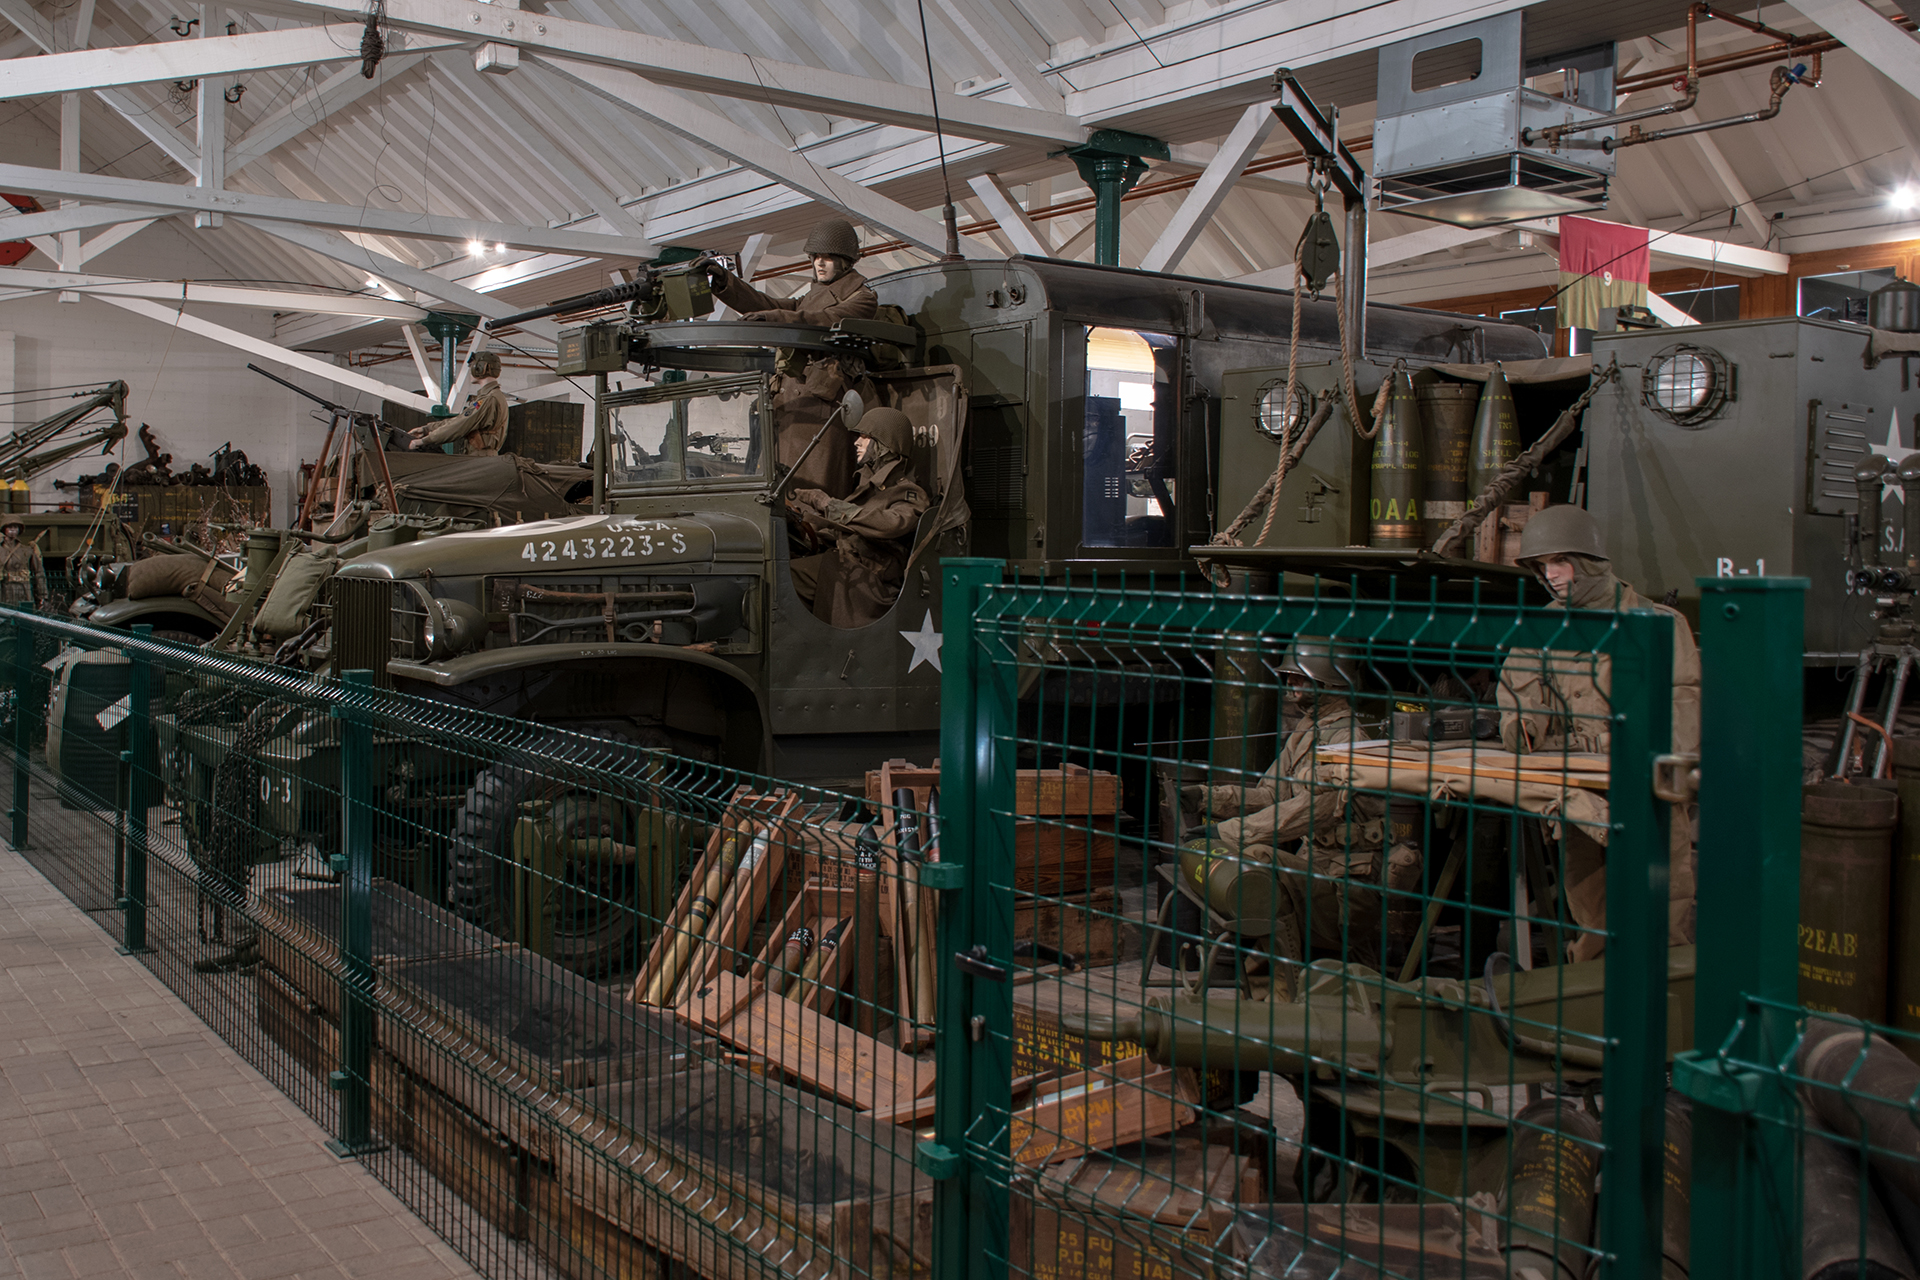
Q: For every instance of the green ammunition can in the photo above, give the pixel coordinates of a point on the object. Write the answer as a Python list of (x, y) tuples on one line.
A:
[(1846, 857)]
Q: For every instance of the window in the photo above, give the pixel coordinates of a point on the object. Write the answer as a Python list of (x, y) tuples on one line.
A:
[(1128, 447), (702, 430), (1709, 306), (1842, 296)]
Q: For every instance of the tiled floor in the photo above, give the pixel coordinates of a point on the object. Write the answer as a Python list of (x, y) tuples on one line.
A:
[(134, 1142)]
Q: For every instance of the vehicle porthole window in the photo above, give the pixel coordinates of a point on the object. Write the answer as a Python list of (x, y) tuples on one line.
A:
[(1685, 384), (1274, 415)]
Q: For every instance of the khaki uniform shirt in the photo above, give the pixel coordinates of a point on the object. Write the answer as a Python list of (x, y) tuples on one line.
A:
[(860, 579), (1288, 803), (23, 578), (847, 298), (482, 428), (1553, 700)]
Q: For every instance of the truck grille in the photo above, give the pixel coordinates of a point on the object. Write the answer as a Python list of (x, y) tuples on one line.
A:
[(706, 611)]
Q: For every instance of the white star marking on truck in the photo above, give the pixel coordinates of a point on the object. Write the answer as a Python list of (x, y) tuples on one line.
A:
[(926, 644)]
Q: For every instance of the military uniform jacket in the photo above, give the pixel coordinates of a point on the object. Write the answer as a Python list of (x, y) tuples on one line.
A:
[(847, 298), (23, 578), (1289, 803), (1557, 700), (482, 428)]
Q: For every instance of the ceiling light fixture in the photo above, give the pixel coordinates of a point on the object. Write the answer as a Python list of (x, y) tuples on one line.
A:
[(1904, 198), (475, 248)]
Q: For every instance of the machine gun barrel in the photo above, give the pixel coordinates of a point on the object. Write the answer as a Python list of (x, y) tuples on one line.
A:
[(324, 403), (612, 295)]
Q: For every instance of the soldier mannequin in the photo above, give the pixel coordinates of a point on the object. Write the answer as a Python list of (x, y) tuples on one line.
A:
[(482, 429), (858, 581), (1554, 701), (807, 389), (1339, 884), (23, 579)]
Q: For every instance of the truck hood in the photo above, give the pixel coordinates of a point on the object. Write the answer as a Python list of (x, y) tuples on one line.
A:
[(571, 543)]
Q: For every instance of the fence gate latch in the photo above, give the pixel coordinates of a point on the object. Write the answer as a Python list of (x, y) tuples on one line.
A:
[(1676, 778)]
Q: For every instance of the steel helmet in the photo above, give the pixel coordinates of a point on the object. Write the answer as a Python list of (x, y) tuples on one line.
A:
[(485, 364), (891, 429), (833, 237), (1323, 662), (1562, 531)]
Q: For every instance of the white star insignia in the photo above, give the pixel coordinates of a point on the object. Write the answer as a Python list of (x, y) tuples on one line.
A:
[(926, 644), (1895, 450)]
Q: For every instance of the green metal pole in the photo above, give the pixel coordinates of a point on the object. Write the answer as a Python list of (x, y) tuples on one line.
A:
[(1110, 173), (138, 762), (969, 1211), (1636, 1000), (354, 1079), (1748, 917), (22, 730)]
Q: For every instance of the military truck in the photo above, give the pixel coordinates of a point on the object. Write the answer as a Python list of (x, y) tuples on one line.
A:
[(1068, 419)]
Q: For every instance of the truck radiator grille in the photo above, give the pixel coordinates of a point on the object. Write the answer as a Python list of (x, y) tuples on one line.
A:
[(362, 622)]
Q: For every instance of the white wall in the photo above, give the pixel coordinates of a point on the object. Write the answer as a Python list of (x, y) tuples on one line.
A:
[(196, 394)]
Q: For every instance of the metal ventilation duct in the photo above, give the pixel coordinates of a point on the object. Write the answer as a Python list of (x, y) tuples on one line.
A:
[(1454, 112)]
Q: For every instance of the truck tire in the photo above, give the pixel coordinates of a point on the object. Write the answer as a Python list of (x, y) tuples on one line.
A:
[(596, 930)]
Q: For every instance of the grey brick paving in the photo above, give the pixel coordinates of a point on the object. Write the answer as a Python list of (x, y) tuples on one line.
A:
[(133, 1142)]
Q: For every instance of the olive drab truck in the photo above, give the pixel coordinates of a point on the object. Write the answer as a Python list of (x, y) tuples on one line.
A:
[(1067, 418)]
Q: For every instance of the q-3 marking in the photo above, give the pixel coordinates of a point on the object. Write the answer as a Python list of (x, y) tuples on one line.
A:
[(662, 539)]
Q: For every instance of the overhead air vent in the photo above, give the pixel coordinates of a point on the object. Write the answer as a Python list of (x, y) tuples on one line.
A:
[(1455, 112)]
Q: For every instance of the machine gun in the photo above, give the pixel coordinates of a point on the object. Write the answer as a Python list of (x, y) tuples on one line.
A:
[(1401, 1060), (366, 430), (1870, 572), (677, 292)]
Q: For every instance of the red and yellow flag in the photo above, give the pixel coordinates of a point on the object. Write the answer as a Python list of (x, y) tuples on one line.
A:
[(1602, 265)]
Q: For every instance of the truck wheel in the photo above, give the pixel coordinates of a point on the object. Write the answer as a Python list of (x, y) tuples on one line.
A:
[(594, 928)]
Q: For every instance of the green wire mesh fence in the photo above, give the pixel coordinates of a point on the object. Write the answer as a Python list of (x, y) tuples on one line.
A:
[(1231, 935)]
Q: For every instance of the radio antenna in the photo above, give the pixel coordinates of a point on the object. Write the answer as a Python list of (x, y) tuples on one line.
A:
[(940, 138)]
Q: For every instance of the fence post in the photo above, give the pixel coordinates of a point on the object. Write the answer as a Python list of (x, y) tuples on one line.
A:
[(1636, 999), (22, 730), (1751, 636), (354, 1078), (138, 761), (969, 1210)]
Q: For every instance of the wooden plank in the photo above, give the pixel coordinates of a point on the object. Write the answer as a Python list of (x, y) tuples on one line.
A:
[(1099, 1109), (1499, 770), (811, 1047)]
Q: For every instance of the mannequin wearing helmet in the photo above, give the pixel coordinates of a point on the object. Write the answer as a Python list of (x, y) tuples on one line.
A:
[(871, 529), (1554, 701), (481, 429), (1332, 892), (808, 385), (837, 291), (23, 578)]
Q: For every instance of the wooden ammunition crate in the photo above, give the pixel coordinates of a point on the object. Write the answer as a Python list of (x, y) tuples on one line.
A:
[(1151, 1210), (479, 1164), (1085, 926), (732, 1173), (300, 935)]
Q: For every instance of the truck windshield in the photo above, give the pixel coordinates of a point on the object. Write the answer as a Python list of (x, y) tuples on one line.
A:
[(703, 429)]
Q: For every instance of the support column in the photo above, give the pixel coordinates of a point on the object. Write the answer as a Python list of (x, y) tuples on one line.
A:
[(1111, 163), (211, 121)]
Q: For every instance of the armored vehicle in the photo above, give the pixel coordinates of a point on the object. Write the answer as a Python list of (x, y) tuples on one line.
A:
[(1066, 419)]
